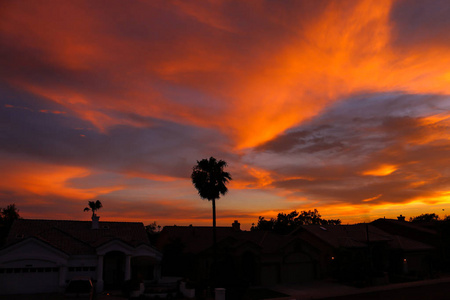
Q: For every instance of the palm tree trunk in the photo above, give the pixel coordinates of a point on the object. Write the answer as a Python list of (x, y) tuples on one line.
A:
[(214, 270), (214, 221)]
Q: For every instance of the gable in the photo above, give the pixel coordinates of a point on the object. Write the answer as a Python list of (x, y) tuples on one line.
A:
[(31, 249), (115, 245), (118, 245), (146, 250)]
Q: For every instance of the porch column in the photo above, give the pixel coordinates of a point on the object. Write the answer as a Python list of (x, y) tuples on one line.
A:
[(99, 287), (157, 271), (128, 267), (62, 276)]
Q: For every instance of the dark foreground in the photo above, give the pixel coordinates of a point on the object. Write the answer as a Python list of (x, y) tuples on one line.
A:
[(55, 297), (438, 289)]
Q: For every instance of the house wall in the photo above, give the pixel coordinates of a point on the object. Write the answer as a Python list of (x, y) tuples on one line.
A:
[(270, 274), (323, 255), (83, 265)]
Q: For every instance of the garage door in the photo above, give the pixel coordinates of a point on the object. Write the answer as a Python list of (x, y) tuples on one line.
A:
[(297, 272), (29, 280), (269, 274), (297, 267)]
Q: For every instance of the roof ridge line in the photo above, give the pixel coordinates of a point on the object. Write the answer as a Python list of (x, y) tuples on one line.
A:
[(70, 235)]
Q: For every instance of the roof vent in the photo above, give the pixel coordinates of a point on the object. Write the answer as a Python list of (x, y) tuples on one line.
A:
[(105, 227), (19, 236)]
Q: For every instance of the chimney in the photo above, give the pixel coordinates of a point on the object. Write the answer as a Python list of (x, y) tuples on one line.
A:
[(401, 218), (95, 221), (236, 226)]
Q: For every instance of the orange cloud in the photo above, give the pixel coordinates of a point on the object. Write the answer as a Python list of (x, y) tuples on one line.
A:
[(382, 170), (372, 198), (41, 179), (347, 47)]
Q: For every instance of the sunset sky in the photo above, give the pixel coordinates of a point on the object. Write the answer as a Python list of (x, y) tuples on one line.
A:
[(340, 106)]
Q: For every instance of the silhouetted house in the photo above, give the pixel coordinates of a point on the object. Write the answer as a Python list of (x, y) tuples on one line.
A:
[(414, 246), (412, 258), (362, 252), (410, 230), (347, 252), (43, 255), (254, 257)]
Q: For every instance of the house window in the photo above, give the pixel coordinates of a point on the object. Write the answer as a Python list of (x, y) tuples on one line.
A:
[(81, 269)]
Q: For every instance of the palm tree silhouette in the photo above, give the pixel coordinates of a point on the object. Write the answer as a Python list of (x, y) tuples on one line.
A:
[(93, 206), (210, 180)]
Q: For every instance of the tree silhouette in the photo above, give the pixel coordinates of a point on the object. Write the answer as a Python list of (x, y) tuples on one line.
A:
[(9, 214), (286, 223), (93, 206), (210, 180), (425, 218), (7, 217)]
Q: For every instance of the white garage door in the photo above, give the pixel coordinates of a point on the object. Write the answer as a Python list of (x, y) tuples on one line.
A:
[(29, 280)]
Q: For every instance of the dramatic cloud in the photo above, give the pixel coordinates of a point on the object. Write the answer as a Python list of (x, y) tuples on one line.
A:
[(340, 106), (386, 148)]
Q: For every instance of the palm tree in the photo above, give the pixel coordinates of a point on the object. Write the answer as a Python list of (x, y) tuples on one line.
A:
[(210, 180), (94, 206)]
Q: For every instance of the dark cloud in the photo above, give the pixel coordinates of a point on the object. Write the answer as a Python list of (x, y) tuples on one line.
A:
[(332, 152), (356, 122), (421, 23), (67, 140)]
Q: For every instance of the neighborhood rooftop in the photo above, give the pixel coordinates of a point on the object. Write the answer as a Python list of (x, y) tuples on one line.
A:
[(77, 237)]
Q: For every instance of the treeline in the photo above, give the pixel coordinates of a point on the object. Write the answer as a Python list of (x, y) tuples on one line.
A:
[(428, 218), (285, 223)]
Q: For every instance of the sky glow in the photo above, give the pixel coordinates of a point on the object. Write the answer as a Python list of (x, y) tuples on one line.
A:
[(342, 106)]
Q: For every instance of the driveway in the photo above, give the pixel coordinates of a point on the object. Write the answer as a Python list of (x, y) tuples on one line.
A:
[(57, 297), (436, 289)]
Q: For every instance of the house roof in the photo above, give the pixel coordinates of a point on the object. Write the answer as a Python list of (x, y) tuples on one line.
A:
[(357, 236), (198, 239), (348, 236), (77, 237), (403, 243), (391, 223), (195, 239)]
